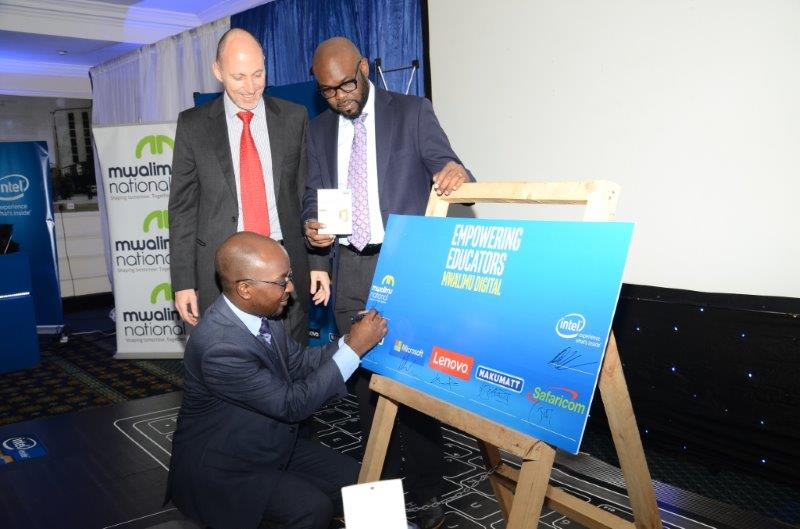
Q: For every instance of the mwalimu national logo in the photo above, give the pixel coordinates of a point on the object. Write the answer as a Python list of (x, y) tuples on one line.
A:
[(154, 323), (380, 293), (161, 288), (151, 251), (156, 143), (160, 217), (152, 177)]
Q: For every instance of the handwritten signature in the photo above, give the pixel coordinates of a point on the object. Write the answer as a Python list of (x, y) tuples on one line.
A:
[(406, 365), (566, 359), (545, 413), (494, 393), (449, 383)]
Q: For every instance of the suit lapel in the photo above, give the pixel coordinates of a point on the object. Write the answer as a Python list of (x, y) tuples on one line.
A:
[(383, 135), (330, 129), (278, 344), (218, 133), (277, 145)]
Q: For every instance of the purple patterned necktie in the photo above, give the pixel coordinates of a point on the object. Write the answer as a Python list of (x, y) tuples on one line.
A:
[(357, 183)]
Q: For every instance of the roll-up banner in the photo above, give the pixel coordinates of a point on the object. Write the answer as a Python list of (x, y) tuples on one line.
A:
[(26, 225), (136, 168)]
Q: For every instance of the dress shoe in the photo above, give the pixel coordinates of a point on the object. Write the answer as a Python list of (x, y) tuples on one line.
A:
[(431, 518)]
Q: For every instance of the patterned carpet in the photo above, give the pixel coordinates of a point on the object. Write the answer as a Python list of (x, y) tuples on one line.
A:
[(82, 373)]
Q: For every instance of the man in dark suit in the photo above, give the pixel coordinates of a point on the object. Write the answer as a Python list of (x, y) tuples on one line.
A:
[(389, 150), (237, 461), (239, 164)]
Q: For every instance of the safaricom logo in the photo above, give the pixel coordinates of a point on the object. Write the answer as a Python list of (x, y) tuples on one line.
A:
[(160, 217), (156, 144), (388, 280), (13, 187), (164, 288), (571, 325)]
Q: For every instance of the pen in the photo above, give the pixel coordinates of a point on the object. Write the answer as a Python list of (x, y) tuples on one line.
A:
[(359, 316)]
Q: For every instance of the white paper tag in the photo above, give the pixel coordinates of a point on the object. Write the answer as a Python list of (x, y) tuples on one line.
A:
[(334, 210), (377, 504)]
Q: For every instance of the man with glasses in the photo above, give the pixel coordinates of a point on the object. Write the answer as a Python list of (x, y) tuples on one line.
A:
[(237, 461), (388, 149)]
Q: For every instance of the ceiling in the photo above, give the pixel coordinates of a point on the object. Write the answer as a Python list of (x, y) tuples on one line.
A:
[(48, 46)]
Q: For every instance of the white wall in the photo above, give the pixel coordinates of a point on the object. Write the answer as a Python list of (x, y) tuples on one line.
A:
[(692, 106)]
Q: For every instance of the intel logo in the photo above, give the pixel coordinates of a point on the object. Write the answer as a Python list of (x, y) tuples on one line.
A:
[(19, 443), (13, 187), (571, 325)]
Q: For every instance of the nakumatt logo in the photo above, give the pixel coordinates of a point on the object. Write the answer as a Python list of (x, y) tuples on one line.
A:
[(13, 187), (160, 217), (388, 280), (156, 144), (164, 288), (570, 325)]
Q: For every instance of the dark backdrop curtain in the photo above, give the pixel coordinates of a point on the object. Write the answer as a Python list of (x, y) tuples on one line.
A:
[(290, 30)]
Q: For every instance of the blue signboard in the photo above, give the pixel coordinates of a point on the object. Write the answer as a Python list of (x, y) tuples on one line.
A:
[(507, 319), (26, 209)]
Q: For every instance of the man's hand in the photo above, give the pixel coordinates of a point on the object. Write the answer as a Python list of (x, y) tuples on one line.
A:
[(186, 304), (320, 287), (449, 178), (311, 231), (367, 332)]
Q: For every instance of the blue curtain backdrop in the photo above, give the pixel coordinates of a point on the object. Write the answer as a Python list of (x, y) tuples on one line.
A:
[(290, 30)]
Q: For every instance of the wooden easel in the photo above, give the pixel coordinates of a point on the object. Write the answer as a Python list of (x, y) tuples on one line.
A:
[(522, 493)]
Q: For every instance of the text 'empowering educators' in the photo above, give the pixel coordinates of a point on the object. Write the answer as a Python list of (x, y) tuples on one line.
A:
[(477, 257)]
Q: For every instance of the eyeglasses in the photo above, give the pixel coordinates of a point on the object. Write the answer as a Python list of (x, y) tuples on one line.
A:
[(282, 283), (348, 86)]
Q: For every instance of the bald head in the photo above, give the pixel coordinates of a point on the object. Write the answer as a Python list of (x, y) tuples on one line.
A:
[(246, 255), (237, 37), (338, 50)]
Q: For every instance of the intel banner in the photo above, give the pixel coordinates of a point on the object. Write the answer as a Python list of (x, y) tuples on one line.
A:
[(26, 216), (136, 166), (507, 319)]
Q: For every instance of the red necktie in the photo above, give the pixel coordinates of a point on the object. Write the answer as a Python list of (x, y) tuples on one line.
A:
[(251, 182)]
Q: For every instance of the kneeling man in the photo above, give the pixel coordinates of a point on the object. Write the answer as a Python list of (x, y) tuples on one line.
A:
[(237, 461)]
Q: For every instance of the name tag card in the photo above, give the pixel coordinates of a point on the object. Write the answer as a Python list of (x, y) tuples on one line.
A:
[(378, 504), (334, 210), (508, 319)]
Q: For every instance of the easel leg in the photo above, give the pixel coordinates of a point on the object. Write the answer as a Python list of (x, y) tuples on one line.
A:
[(503, 487), (627, 442), (534, 477), (378, 442)]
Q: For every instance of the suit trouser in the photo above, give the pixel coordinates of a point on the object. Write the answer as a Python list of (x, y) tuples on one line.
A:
[(307, 495), (415, 449)]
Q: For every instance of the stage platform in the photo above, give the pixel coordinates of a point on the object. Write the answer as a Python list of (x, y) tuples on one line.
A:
[(106, 468)]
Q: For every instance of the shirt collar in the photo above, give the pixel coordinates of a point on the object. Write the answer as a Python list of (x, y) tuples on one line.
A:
[(231, 109), (251, 321)]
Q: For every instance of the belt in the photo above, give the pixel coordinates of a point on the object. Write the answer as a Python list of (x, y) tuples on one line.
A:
[(370, 249)]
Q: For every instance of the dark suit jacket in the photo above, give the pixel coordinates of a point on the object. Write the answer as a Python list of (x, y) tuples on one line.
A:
[(410, 148), (203, 209), (238, 421)]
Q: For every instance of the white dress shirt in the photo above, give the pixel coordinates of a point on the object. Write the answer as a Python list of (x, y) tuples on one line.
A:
[(345, 148), (258, 129), (345, 358)]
